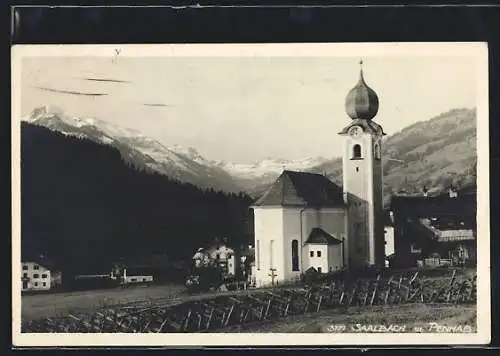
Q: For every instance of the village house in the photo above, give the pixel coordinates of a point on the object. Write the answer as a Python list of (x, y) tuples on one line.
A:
[(389, 237), (435, 230), (36, 277), (306, 221), (227, 258)]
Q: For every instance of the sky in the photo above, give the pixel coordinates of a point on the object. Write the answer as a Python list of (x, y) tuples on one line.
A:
[(248, 108)]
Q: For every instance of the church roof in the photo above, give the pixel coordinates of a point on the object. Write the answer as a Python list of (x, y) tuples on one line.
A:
[(302, 189), (361, 101), (320, 236), (367, 125)]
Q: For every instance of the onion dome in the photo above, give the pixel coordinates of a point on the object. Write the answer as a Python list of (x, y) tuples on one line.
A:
[(361, 101)]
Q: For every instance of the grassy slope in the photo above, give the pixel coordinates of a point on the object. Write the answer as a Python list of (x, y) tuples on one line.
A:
[(411, 315)]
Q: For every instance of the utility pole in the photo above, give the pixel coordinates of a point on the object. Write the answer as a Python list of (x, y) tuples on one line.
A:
[(272, 275)]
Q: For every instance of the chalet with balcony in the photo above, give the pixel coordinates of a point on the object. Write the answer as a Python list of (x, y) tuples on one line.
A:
[(434, 230)]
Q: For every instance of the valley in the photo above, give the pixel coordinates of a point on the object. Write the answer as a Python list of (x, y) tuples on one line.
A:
[(415, 157)]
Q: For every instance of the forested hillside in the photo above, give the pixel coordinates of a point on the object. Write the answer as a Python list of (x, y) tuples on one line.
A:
[(83, 206)]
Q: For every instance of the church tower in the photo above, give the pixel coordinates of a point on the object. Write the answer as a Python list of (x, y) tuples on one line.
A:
[(362, 177)]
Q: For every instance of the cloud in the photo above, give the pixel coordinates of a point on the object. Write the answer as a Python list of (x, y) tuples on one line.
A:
[(156, 105), (70, 92), (108, 80)]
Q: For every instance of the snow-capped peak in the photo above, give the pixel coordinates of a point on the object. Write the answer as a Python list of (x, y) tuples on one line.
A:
[(189, 152), (185, 164), (270, 166), (43, 111), (49, 111), (174, 160)]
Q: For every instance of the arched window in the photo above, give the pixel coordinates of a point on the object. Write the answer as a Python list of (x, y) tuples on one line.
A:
[(377, 151), (295, 255), (356, 151)]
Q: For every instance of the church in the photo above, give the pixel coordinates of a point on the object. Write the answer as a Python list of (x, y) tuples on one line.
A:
[(305, 221)]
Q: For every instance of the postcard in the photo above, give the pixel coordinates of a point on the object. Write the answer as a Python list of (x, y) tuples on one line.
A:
[(279, 194)]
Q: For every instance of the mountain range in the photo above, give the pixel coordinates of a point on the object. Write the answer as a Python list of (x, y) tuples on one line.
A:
[(434, 153)]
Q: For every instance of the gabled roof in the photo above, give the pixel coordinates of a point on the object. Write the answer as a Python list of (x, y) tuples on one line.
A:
[(463, 204), (41, 261), (320, 236), (302, 189)]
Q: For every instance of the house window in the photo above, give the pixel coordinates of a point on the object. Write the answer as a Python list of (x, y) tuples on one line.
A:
[(319, 269), (311, 253), (318, 253), (44, 284), (36, 267), (36, 284), (36, 275), (25, 267), (295, 255), (217, 256), (257, 254), (356, 151), (44, 275), (25, 275)]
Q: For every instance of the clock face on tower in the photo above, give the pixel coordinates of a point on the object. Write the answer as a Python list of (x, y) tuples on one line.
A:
[(355, 131)]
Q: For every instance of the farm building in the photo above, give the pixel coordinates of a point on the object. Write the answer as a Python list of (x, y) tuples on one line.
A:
[(37, 277), (388, 237), (434, 230), (227, 258), (305, 221), (137, 274)]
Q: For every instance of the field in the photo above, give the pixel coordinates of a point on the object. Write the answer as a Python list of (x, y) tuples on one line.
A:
[(52, 304), (413, 298)]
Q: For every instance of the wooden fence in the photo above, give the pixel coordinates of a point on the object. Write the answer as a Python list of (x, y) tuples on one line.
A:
[(217, 312)]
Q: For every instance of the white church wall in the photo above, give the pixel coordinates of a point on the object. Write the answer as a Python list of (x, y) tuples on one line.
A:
[(298, 224), (324, 258), (277, 227), (318, 257), (292, 231), (268, 244), (335, 262), (329, 219)]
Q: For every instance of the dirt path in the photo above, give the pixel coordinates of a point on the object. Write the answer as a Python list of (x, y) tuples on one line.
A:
[(49, 305), (52, 304)]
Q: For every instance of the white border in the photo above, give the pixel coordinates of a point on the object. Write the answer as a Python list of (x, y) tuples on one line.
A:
[(477, 50)]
